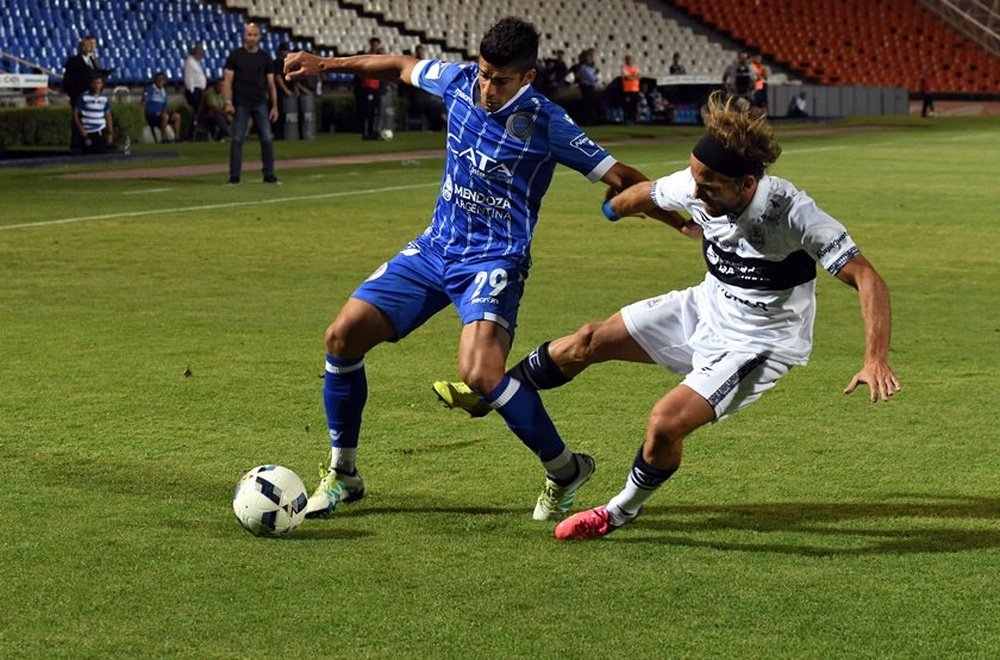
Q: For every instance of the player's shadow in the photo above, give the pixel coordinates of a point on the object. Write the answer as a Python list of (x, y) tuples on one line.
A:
[(900, 524)]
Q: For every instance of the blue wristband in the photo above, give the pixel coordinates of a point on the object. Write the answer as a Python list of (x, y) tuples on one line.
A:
[(609, 212)]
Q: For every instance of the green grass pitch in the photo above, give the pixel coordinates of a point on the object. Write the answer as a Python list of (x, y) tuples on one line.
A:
[(811, 525)]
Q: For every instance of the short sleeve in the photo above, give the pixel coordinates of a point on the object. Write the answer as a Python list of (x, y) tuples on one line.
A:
[(823, 237), (434, 76), (672, 192), (574, 148), (231, 61)]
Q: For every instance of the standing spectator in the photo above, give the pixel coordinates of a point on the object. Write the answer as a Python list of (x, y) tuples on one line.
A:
[(676, 68), (761, 74), (212, 112), (423, 106), (630, 89), (737, 79), (368, 90), (287, 95), (158, 115), (77, 74), (195, 80), (927, 110), (92, 117), (559, 69), (586, 79), (248, 85)]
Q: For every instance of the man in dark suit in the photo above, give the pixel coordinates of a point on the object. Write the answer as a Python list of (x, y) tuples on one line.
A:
[(77, 74)]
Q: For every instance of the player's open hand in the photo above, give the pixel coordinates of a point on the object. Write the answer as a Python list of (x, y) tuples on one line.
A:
[(300, 64), (880, 378)]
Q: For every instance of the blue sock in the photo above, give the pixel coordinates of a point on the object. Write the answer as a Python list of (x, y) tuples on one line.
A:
[(345, 391), (522, 409)]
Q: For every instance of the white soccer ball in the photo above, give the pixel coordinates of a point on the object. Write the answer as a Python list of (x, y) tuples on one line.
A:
[(270, 500), (386, 134)]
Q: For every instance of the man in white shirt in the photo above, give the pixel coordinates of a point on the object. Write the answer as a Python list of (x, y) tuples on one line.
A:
[(195, 80), (744, 326)]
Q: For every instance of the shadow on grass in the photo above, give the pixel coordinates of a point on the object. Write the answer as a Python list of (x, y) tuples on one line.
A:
[(868, 528)]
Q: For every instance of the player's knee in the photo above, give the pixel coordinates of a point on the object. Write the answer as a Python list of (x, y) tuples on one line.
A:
[(338, 339), (664, 429), (480, 379)]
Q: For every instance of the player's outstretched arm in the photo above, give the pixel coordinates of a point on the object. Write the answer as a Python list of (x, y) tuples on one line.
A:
[(638, 199), (873, 294), (382, 67)]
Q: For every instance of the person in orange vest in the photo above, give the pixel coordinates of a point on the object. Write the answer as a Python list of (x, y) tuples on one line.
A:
[(630, 89), (760, 82)]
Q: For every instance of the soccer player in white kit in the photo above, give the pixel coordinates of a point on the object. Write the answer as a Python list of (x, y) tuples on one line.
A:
[(744, 326)]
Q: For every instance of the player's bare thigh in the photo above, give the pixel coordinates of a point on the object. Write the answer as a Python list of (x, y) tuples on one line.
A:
[(482, 355), (596, 342), (358, 328)]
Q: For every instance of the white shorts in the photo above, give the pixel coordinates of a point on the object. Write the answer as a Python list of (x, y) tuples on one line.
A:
[(672, 332)]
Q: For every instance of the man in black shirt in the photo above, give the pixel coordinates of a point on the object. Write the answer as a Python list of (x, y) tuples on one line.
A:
[(76, 81), (248, 87)]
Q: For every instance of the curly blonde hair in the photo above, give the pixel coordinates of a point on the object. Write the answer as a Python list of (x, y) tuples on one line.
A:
[(745, 130)]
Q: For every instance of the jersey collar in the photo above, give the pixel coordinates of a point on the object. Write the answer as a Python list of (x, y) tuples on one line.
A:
[(506, 106), (758, 203)]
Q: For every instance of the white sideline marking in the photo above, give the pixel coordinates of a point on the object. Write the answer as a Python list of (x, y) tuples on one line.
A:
[(147, 190), (281, 200), (208, 207)]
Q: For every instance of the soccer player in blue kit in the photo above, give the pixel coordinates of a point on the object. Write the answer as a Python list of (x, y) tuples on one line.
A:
[(504, 140)]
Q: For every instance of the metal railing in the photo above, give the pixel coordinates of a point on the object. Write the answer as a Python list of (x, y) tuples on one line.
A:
[(977, 19)]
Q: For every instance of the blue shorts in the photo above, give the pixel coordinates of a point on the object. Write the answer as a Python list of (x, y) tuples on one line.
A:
[(418, 283)]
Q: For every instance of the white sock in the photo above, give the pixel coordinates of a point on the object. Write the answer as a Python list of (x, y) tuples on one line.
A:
[(342, 459), (562, 468)]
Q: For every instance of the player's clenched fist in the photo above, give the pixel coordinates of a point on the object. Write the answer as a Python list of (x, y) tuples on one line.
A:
[(300, 64)]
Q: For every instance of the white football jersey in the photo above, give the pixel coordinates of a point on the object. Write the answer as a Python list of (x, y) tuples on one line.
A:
[(760, 289)]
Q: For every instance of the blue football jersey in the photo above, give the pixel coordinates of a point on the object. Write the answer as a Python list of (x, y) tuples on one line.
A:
[(499, 164)]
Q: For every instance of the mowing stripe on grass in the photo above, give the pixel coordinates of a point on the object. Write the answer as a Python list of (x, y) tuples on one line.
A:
[(282, 200), (208, 207)]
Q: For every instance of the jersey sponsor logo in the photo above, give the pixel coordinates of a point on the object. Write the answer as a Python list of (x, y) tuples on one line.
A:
[(461, 192), (465, 97), (832, 245), (760, 274), (480, 163), (756, 304), (520, 126), (587, 146), (479, 203)]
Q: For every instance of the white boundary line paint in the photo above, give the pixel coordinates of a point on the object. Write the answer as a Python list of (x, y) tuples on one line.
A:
[(344, 193), (147, 190), (208, 207)]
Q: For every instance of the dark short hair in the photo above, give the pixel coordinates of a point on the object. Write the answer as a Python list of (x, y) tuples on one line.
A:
[(510, 42)]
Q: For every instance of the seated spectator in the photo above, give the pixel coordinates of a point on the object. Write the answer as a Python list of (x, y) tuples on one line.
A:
[(154, 107), (797, 106), (212, 112), (676, 68), (92, 117)]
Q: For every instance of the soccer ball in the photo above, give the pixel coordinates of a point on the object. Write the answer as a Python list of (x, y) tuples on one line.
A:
[(270, 500), (386, 134)]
